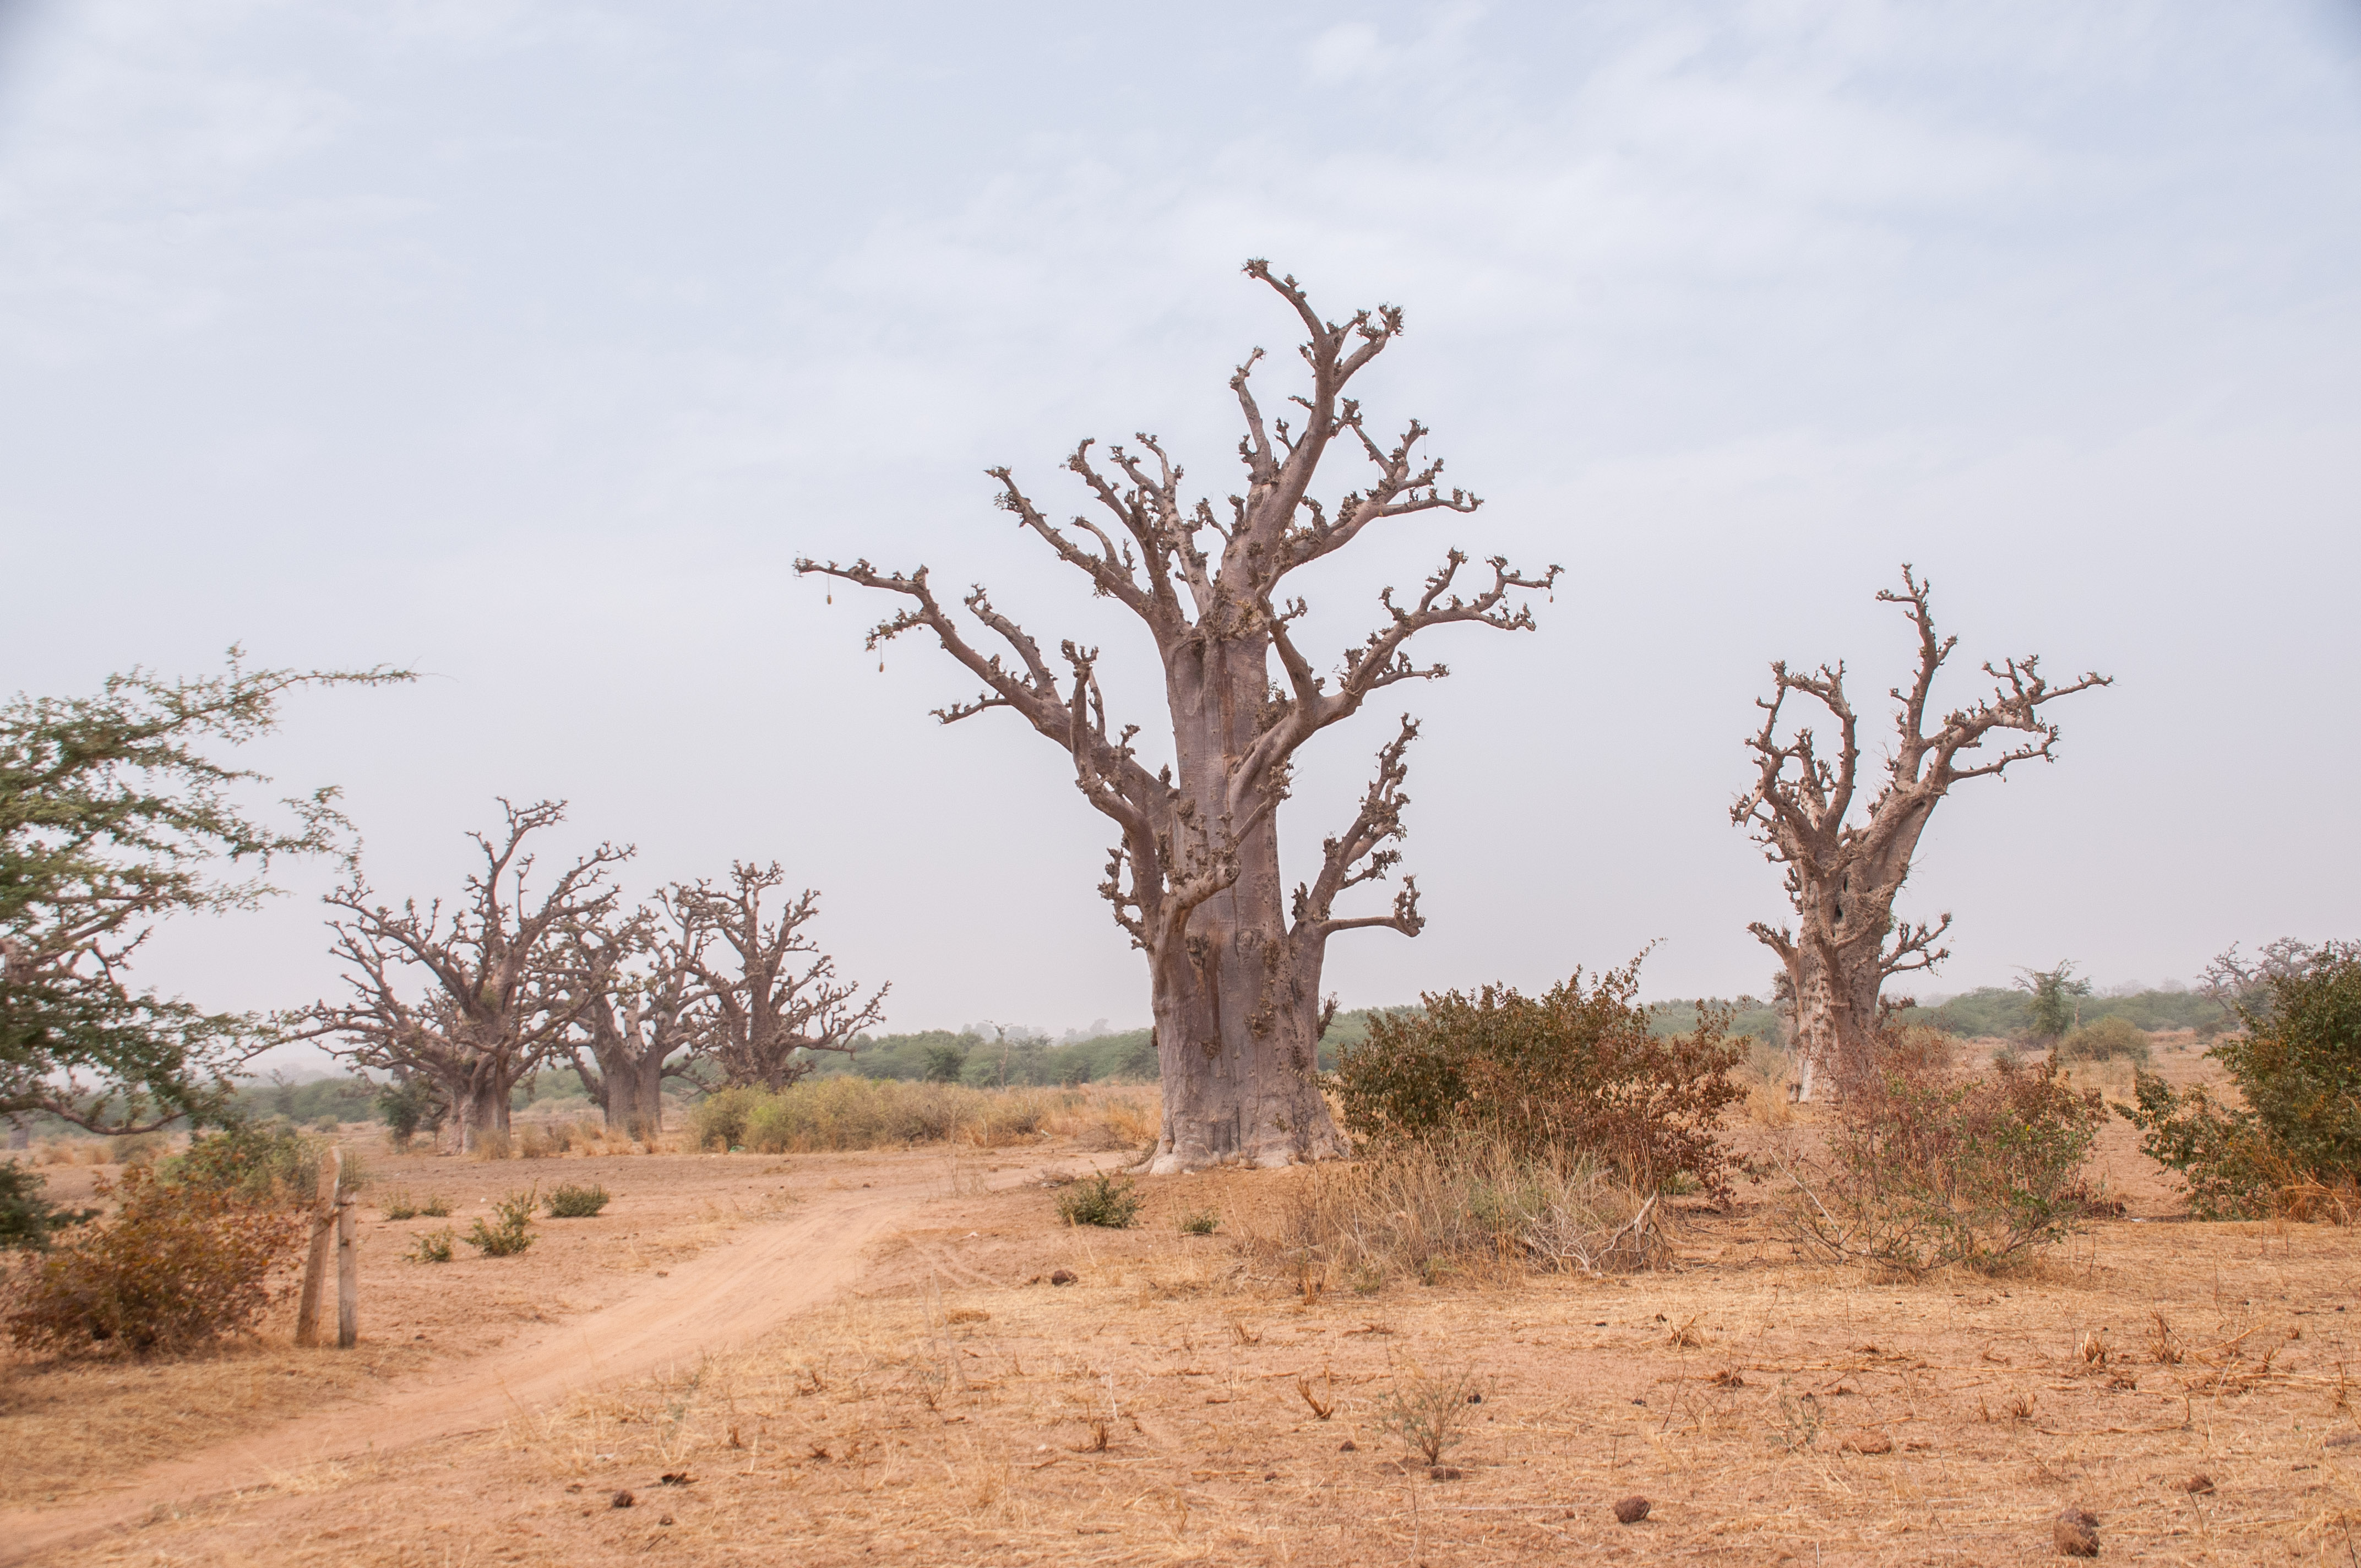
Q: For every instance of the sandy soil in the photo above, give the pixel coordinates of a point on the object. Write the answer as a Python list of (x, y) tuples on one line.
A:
[(764, 1360), (587, 1306)]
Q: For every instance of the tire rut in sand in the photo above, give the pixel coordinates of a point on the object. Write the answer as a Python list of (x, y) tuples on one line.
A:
[(718, 1301)]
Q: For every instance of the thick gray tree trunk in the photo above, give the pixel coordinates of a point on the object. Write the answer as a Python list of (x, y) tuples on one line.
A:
[(484, 1114), (1233, 958)]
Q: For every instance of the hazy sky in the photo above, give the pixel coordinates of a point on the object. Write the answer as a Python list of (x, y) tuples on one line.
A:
[(529, 343)]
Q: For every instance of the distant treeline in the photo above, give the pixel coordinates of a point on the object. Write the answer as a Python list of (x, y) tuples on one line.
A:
[(2004, 1012), (973, 1058), (986, 1061), (1749, 1015)]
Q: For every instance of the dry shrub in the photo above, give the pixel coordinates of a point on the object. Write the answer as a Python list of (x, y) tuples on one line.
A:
[(2294, 1148), (176, 1266), (2106, 1039), (1574, 1069), (270, 1163), (1767, 1077), (1104, 1199), (1005, 1119), (1927, 1168), (850, 1112), (534, 1143), (1427, 1410), (1916, 1048), (571, 1201), (492, 1143), (1123, 1116), (1429, 1210), (511, 1233)]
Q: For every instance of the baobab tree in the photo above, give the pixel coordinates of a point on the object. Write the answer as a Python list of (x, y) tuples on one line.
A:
[(1234, 963), (1843, 876), (764, 1006), (642, 1010), (499, 993)]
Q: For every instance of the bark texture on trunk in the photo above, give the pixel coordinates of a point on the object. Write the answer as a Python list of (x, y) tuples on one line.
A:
[(1843, 876), (1234, 957), (627, 1082), (633, 1023)]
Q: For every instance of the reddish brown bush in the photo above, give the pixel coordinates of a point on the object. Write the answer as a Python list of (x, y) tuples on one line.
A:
[(175, 1267), (1926, 1167), (1576, 1071)]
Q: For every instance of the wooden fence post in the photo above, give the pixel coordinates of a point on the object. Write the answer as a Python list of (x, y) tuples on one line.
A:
[(315, 1263), (348, 1266)]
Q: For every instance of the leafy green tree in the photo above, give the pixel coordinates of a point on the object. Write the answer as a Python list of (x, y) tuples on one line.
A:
[(943, 1063), (407, 1102), (2055, 993), (2297, 1065), (116, 811)]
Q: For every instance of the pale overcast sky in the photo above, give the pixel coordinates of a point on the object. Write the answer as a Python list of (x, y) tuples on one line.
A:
[(529, 343)]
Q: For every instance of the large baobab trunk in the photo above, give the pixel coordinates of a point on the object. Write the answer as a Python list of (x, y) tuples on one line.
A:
[(1843, 877), (485, 1113), (1237, 1001), (638, 1003), (1233, 958), (631, 1051)]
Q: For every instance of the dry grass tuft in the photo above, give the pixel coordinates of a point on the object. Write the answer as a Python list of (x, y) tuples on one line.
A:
[(1431, 1211), (850, 1112)]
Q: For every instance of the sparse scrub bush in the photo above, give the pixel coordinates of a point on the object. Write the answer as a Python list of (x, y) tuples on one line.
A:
[(435, 1207), (176, 1265), (410, 1106), (1917, 1048), (433, 1247), (267, 1162), (1104, 1199), (400, 1206), (1927, 1168), (493, 1142), (1203, 1222), (2108, 1039), (1572, 1070), (1427, 1410), (512, 1231), (573, 1203), (1432, 1208), (2295, 1147), (720, 1119)]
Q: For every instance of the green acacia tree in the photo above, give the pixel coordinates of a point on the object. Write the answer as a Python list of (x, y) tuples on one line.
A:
[(116, 811), (2055, 994)]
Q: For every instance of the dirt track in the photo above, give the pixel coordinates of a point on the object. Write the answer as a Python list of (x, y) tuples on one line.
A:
[(717, 1302)]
